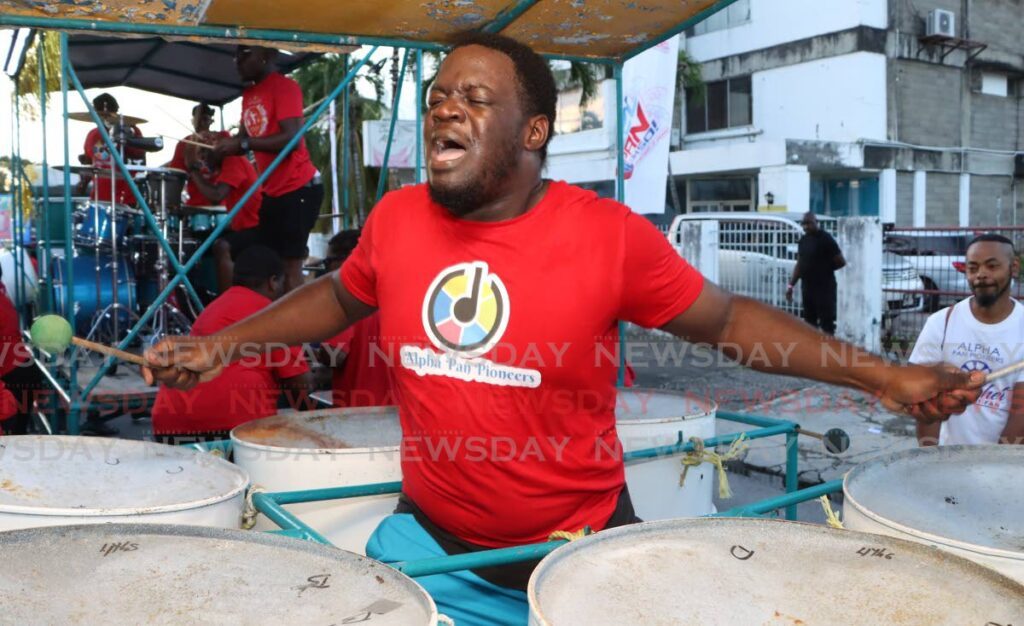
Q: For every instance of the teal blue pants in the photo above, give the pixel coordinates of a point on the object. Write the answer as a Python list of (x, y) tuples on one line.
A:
[(462, 596)]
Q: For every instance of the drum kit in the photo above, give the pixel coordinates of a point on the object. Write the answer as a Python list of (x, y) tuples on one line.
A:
[(120, 266)]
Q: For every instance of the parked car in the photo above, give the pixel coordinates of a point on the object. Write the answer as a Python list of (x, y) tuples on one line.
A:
[(939, 258), (757, 253)]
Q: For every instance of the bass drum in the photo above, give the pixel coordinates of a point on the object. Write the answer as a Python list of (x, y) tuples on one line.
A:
[(93, 289)]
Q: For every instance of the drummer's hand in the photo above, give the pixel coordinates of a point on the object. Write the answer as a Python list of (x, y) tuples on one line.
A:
[(228, 146), (183, 362), (84, 160), (931, 393)]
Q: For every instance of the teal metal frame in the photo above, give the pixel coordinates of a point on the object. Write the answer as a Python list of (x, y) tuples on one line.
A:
[(272, 504)]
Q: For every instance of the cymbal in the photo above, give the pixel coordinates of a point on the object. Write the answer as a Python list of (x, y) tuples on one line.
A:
[(110, 118)]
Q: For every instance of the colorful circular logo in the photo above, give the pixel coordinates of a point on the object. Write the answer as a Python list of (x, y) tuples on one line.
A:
[(466, 309), (976, 366)]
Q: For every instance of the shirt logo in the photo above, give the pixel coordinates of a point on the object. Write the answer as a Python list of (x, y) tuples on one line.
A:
[(466, 309), (255, 119)]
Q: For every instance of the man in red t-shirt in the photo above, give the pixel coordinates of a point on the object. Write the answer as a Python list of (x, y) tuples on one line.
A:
[(224, 180), (95, 153), (248, 389), (499, 294), (271, 116), (361, 374), (19, 376), (202, 120)]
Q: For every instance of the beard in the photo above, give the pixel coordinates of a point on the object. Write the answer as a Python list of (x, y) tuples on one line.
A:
[(988, 299), (462, 199)]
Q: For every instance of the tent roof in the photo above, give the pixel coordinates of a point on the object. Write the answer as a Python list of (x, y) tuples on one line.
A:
[(592, 29), (184, 69)]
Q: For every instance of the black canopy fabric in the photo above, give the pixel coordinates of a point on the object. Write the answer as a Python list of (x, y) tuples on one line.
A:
[(184, 69)]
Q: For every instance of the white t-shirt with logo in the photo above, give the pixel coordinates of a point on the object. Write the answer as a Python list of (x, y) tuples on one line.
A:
[(975, 346)]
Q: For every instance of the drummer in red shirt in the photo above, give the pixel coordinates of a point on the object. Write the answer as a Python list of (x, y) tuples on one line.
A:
[(95, 153), (271, 116), (202, 121), (248, 389), (361, 373), (224, 180)]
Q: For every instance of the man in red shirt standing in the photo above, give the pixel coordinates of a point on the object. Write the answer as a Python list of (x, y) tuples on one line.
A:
[(224, 180), (248, 389), (271, 116), (361, 374), (500, 293), (95, 153)]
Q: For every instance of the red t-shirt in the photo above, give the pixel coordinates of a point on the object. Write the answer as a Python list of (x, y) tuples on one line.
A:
[(97, 151), (12, 350), (239, 174), (8, 405), (364, 379), (195, 196), (246, 390), (264, 105), (514, 436)]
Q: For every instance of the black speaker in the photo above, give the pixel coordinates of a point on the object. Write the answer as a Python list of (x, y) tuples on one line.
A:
[(1018, 166)]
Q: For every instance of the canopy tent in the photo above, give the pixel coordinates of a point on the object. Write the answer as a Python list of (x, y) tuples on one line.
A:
[(605, 30), (184, 69)]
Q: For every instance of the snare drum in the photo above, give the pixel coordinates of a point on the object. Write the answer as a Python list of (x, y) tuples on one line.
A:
[(87, 279), (96, 223)]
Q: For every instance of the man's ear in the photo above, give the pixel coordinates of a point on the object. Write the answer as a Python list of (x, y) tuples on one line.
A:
[(538, 129)]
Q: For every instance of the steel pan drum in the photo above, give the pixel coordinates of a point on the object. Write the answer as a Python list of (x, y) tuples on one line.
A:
[(164, 574), (48, 480), (965, 499), (328, 448), (767, 572)]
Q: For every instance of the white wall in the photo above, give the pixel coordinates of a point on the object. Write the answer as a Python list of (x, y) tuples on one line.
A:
[(836, 99), (773, 22)]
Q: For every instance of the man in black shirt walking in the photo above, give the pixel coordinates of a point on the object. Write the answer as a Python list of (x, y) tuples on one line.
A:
[(818, 258)]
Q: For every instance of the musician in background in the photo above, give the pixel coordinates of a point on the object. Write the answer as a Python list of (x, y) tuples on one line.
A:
[(95, 153), (271, 117), (223, 180), (248, 389), (361, 375), (202, 121)]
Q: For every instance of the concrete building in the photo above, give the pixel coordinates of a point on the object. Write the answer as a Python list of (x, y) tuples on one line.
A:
[(844, 107)]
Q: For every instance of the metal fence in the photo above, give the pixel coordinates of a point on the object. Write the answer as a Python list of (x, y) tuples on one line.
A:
[(756, 253), (938, 256)]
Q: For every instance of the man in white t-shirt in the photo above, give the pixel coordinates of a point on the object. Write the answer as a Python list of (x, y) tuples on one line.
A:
[(982, 333)]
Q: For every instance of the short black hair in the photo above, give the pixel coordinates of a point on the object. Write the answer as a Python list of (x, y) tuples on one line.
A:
[(105, 101), (344, 242), (255, 266), (994, 237), (538, 94), (205, 108)]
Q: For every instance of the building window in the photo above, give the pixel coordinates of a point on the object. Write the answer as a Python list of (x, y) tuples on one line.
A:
[(993, 84), (724, 104), (723, 194), (735, 14)]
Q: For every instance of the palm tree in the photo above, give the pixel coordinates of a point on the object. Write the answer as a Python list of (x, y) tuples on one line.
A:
[(317, 79), (28, 79)]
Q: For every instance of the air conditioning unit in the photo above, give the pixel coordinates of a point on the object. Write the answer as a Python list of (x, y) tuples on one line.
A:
[(942, 23)]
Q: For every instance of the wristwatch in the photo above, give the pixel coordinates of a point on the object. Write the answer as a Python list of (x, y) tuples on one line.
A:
[(244, 144)]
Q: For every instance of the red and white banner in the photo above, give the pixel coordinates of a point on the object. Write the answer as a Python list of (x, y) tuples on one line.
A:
[(648, 97)]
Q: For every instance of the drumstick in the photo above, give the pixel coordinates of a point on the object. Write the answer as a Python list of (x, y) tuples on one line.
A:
[(52, 333), (1006, 371), (836, 440), (190, 142)]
